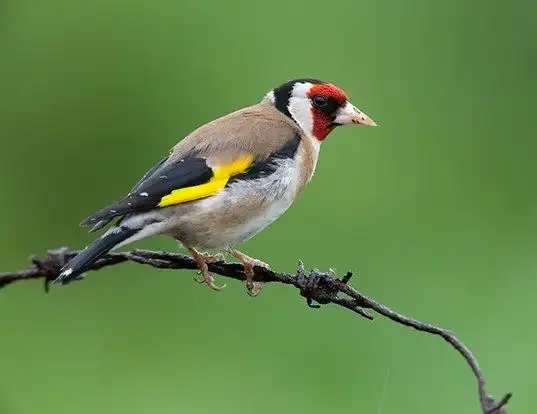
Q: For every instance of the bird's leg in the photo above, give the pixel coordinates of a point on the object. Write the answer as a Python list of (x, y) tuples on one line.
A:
[(201, 261), (254, 288)]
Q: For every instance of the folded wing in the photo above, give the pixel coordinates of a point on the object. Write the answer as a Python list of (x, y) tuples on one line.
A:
[(188, 179)]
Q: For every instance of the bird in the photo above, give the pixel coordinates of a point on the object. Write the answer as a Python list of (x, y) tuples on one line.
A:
[(226, 181)]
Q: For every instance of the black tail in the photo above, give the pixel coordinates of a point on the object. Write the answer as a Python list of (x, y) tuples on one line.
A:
[(82, 262)]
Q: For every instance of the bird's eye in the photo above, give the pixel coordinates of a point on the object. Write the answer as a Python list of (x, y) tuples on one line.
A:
[(319, 101)]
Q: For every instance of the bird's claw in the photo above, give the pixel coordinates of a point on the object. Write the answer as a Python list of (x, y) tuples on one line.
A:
[(253, 288), (201, 260), (209, 280)]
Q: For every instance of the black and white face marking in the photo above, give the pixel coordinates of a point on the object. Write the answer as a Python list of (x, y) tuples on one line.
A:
[(311, 103), (283, 93), (316, 106), (291, 99)]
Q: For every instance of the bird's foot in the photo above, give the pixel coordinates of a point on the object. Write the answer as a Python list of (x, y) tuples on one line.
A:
[(213, 258), (208, 278), (201, 260), (253, 288)]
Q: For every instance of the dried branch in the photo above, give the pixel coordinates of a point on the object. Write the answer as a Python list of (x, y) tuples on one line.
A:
[(319, 288)]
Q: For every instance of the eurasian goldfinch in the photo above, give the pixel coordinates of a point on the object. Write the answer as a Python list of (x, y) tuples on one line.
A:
[(227, 180)]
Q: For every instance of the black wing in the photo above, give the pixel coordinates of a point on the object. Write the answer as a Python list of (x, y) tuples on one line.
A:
[(100, 224), (155, 184)]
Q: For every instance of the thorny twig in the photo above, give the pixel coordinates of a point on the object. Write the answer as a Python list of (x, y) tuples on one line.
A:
[(319, 288)]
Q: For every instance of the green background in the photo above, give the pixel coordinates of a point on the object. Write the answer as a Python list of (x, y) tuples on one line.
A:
[(436, 209)]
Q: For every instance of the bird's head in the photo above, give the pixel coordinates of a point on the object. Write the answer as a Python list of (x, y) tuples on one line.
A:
[(316, 106)]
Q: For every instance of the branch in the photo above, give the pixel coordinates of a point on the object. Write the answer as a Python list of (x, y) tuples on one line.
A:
[(318, 288)]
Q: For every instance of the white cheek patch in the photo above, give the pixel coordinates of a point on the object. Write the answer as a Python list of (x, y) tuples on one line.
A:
[(300, 108)]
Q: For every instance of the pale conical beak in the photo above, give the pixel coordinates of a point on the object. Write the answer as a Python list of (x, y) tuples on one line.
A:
[(349, 114)]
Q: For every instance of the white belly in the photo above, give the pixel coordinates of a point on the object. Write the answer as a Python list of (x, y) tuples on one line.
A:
[(277, 192), (254, 223)]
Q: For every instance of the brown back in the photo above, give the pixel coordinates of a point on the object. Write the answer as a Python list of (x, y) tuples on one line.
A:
[(259, 130)]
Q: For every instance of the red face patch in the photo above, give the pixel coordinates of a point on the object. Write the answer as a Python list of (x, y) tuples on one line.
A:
[(323, 115), (330, 91)]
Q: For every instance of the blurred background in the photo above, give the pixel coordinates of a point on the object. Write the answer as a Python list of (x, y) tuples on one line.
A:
[(435, 210)]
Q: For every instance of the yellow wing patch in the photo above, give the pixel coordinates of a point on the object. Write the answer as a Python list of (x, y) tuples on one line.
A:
[(221, 175)]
